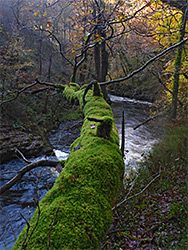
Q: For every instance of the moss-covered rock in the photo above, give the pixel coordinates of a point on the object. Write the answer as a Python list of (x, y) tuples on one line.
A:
[(79, 204)]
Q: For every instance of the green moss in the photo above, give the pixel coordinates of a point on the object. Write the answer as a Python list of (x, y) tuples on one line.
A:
[(60, 86), (86, 188)]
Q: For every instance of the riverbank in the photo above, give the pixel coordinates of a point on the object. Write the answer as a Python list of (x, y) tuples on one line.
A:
[(153, 214), (26, 127), (28, 143), (143, 87)]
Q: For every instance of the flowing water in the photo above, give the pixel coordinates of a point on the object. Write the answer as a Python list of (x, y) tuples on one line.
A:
[(19, 199), (137, 141)]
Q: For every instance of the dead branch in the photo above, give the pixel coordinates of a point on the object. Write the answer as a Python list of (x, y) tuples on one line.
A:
[(23, 157), (50, 86), (144, 122), (92, 119), (18, 176), (18, 93), (37, 203), (146, 64), (164, 85), (51, 228), (24, 245), (28, 227), (123, 134), (75, 125), (8, 222), (35, 91), (133, 196)]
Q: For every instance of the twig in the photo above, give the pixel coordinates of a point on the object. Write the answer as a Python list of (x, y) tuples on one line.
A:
[(8, 221), (51, 228), (133, 196), (50, 84), (164, 85), (144, 122), (75, 125), (30, 86), (24, 245), (28, 226), (131, 186), (24, 170), (23, 157), (35, 91), (37, 203)]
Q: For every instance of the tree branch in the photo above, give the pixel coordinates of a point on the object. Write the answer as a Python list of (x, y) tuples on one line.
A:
[(24, 245), (19, 92), (179, 4), (144, 122), (167, 89), (51, 85), (133, 196), (35, 91), (146, 64), (51, 228), (24, 170), (59, 43), (23, 157)]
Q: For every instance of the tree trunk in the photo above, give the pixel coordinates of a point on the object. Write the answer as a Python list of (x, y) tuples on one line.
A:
[(178, 67), (104, 67), (101, 64), (97, 60)]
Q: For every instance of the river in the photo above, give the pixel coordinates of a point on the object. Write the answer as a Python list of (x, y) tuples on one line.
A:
[(19, 199)]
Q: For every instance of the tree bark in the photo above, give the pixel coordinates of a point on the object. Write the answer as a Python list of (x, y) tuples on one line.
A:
[(178, 67)]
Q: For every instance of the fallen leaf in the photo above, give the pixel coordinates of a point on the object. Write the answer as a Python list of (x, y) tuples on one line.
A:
[(93, 126)]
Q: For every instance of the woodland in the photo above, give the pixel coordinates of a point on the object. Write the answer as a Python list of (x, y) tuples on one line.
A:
[(59, 60)]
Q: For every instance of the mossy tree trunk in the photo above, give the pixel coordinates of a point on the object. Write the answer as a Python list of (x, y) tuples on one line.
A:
[(178, 67), (76, 213)]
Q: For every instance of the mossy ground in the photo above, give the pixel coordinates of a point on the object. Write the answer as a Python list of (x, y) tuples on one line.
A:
[(84, 191)]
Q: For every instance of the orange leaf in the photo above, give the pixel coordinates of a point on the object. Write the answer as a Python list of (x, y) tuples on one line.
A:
[(148, 4), (49, 24)]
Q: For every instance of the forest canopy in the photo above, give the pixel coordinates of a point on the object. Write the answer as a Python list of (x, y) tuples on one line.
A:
[(61, 41)]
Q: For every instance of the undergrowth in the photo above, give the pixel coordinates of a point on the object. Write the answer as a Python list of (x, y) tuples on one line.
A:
[(156, 215), (39, 113)]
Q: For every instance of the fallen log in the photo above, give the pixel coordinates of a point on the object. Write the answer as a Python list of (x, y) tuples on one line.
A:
[(84, 192)]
